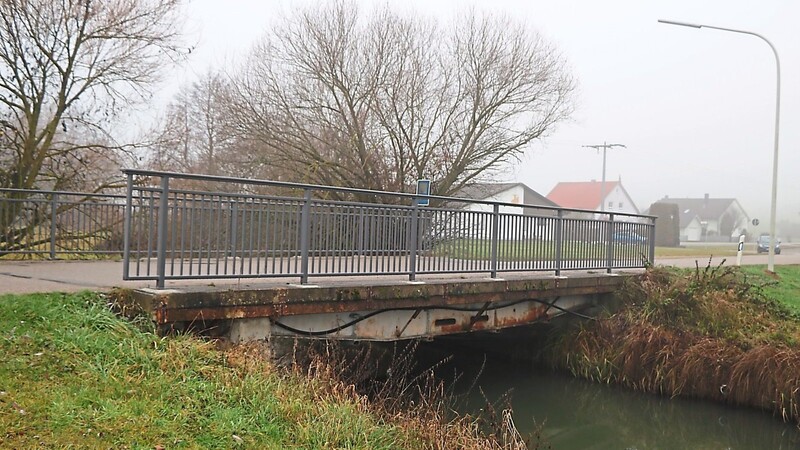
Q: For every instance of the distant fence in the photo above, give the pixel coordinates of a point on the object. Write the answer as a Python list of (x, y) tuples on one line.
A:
[(180, 226), (55, 224)]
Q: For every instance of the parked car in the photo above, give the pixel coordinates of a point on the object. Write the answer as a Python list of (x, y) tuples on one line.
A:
[(762, 244), (628, 237)]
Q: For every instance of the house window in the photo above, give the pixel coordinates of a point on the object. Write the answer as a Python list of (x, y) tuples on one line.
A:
[(620, 204), (610, 205)]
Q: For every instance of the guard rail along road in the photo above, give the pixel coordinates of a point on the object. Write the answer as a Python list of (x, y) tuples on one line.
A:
[(184, 226)]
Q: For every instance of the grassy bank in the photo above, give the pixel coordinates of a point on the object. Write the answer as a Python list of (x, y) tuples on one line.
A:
[(712, 333), (75, 375), (782, 286)]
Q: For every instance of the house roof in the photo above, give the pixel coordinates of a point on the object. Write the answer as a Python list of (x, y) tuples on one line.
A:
[(687, 216), (580, 194), (481, 191), (704, 208)]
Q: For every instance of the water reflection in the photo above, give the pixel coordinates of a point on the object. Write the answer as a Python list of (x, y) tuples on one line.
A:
[(582, 415)]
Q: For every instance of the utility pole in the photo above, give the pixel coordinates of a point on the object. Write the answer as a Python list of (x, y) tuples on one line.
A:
[(603, 185)]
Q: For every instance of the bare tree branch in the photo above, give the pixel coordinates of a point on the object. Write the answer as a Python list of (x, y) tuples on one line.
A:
[(66, 68), (334, 97)]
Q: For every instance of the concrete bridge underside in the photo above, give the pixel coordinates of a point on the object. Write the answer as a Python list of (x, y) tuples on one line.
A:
[(379, 310)]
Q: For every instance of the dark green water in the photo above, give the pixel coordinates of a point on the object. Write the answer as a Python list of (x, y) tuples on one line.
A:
[(577, 414), (580, 415)]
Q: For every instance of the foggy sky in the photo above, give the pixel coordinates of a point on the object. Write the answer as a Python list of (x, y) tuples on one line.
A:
[(694, 107)]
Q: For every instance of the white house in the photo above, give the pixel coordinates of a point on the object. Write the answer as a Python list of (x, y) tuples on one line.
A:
[(691, 226), (476, 219), (710, 219), (516, 193)]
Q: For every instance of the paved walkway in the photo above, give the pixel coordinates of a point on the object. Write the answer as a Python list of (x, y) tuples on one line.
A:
[(18, 277)]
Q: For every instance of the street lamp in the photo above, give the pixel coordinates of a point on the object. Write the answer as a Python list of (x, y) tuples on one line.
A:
[(772, 238), (603, 184)]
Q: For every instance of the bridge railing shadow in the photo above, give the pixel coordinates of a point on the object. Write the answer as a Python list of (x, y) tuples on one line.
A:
[(185, 226)]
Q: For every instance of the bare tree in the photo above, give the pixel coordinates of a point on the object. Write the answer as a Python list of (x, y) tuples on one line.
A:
[(196, 134), (67, 67), (333, 97)]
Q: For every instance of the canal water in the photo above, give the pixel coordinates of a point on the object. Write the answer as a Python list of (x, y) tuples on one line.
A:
[(577, 414)]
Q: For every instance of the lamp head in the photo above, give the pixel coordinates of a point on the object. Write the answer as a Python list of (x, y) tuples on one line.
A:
[(680, 24)]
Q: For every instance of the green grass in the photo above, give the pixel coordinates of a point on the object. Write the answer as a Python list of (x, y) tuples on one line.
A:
[(74, 375), (783, 286)]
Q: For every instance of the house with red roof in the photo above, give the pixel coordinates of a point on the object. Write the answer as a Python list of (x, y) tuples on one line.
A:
[(610, 196)]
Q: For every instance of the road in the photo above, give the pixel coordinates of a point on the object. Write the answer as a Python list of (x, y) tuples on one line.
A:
[(790, 254)]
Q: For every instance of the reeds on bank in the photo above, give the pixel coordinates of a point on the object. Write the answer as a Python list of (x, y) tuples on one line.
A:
[(708, 333), (413, 399)]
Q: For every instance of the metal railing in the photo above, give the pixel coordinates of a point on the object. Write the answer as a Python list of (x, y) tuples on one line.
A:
[(180, 227), (55, 224)]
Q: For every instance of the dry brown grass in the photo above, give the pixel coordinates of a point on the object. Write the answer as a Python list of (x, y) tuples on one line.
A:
[(415, 402), (708, 334)]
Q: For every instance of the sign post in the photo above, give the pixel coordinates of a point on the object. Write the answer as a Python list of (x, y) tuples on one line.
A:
[(739, 252)]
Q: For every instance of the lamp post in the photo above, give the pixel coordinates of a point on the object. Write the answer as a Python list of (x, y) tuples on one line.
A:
[(603, 183), (772, 210)]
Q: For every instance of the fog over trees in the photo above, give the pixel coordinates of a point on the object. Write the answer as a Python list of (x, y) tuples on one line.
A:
[(333, 96), (68, 67), (329, 95)]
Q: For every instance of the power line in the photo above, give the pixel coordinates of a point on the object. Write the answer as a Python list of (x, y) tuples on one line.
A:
[(605, 147)]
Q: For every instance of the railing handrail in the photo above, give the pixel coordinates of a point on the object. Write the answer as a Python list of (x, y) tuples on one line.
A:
[(292, 185)]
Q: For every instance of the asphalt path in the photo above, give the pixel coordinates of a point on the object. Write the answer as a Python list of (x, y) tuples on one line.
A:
[(789, 255), (18, 277)]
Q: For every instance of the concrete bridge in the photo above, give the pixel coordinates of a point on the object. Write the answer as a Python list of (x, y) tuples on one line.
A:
[(380, 310), (322, 261)]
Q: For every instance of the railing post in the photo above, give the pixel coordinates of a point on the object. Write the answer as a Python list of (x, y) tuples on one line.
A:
[(412, 242), (233, 231), (305, 224), (53, 214), (495, 238), (559, 240), (652, 236), (610, 243), (161, 242), (126, 228), (361, 234)]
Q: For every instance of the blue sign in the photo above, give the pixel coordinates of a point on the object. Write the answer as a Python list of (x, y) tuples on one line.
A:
[(423, 190)]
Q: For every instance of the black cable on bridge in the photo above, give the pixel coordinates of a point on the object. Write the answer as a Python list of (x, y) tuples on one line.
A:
[(440, 308)]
